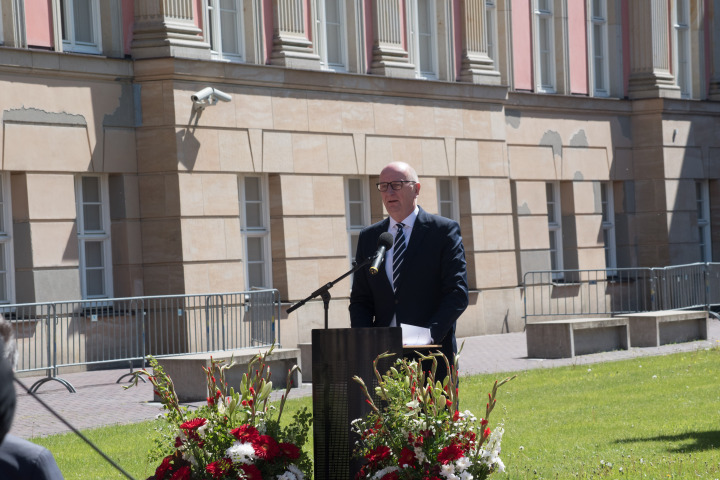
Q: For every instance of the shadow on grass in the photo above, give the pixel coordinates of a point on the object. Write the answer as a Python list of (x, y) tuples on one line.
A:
[(691, 441)]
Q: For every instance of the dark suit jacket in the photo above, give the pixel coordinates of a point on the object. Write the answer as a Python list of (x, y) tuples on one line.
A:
[(23, 460), (432, 289)]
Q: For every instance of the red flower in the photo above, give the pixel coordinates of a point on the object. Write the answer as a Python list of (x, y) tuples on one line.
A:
[(183, 473), (219, 468), (456, 416), (245, 433), (251, 472), (378, 455), (407, 457), (450, 453), (193, 424), (290, 450), (163, 468), (266, 447), (391, 476)]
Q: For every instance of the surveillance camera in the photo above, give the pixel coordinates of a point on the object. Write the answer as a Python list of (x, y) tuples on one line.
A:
[(209, 96), (202, 94)]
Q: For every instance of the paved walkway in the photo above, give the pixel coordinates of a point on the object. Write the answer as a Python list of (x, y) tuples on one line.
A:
[(100, 401)]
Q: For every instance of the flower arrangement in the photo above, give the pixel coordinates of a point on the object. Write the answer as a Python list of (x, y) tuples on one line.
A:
[(234, 435), (417, 431)]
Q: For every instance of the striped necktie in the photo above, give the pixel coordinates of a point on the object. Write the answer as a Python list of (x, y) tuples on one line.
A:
[(398, 254)]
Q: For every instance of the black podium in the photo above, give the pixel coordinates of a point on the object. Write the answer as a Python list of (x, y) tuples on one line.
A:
[(338, 355)]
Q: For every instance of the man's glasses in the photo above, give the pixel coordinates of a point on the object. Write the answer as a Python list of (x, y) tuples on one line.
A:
[(397, 185)]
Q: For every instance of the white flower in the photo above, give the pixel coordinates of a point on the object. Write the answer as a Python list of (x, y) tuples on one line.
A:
[(413, 405), (447, 470), (202, 430), (463, 463), (466, 476), (384, 472), (420, 455), (286, 476), (241, 453), (298, 473)]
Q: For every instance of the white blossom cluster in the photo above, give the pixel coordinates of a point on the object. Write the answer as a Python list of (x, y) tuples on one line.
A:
[(457, 470), (241, 453), (491, 452), (292, 473)]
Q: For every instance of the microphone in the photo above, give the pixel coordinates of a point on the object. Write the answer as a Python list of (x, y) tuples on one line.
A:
[(384, 242)]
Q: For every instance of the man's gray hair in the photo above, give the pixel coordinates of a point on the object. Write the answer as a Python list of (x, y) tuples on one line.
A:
[(6, 333)]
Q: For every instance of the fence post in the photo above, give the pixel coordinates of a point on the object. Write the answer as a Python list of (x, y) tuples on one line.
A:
[(706, 277)]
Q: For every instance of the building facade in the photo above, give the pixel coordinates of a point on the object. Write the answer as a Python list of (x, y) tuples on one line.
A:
[(561, 134)]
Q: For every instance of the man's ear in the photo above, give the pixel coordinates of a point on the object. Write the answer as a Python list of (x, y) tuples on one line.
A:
[(417, 189)]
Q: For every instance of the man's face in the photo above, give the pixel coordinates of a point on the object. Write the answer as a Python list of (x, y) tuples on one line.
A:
[(399, 203)]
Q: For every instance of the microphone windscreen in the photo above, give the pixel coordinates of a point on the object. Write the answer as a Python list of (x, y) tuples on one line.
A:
[(385, 240)]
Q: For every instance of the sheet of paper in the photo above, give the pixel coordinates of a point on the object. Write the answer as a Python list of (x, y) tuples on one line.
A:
[(413, 335)]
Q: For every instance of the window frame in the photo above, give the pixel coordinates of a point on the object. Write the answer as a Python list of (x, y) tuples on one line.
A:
[(682, 42), (491, 29), (102, 236), (354, 230), (262, 232), (544, 18), (321, 35), (64, 7), (414, 41), (602, 22), (6, 239), (212, 26), (607, 208), (555, 228), (454, 198), (702, 202)]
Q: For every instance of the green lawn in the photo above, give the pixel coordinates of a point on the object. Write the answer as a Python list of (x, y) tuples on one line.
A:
[(648, 418)]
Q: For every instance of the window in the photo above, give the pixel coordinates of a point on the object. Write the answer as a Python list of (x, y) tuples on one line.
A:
[(80, 26), (256, 231), (7, 280), (224, 29), (94, 236), (447, 198), (608, 227), (332, 43), (703, 220), (552, 193), (491, 26), (600, 71), (423, 38), (682, 48), (544, 47), (357, 210)]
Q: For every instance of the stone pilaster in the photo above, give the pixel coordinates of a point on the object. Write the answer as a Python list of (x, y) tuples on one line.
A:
[(477, 66), (650, 75), (166, 28), (291, 47), (389, 57)]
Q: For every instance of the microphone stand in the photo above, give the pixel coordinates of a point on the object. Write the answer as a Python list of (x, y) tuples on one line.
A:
[(324, 291)]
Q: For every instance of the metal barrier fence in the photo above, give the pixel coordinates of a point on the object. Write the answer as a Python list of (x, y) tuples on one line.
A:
[(64, 334), (558, 293)]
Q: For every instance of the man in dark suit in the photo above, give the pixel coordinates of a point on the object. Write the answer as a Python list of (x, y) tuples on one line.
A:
[(428, 289), (19, 459)]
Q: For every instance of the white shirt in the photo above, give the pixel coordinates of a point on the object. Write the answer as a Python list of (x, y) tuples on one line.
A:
[(407, 230)]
